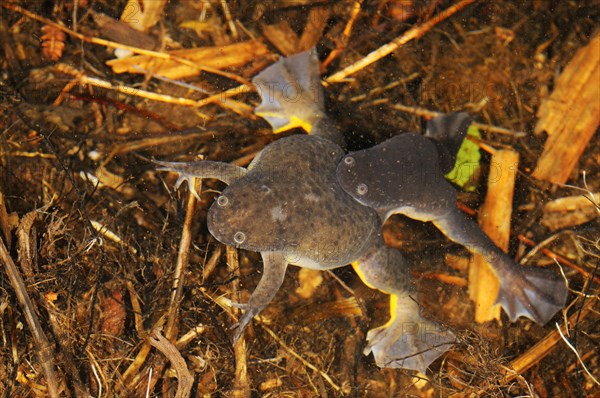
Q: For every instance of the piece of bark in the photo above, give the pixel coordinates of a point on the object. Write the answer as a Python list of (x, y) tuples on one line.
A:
[(570, 211), (494, 219), (570, 115)]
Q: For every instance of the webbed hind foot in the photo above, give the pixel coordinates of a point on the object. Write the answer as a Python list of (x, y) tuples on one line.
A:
[(291, 92), (407, 341), (292, 96), (533, 292)]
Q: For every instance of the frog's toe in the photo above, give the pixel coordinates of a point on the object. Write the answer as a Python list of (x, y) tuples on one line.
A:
[(244, 321), (407, 341)]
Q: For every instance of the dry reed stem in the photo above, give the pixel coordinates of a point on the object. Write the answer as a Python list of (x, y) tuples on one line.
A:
[(182, 263), (341, 45), (544, 346), (429, 114), (240, 349)]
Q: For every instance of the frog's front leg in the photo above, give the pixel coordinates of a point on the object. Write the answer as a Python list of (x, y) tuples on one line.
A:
[(533, 292), (187, 171), (407, 340), (274, 266)]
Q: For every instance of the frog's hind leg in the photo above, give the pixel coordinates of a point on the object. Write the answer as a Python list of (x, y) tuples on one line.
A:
[(533, 292), (291, 92), (274, 266), (292, 96), (187, 171), (407, 340)]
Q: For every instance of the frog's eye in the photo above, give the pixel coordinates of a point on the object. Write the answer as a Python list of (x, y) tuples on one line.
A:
[(222, 201), (349, 160), (265, 189), (239, 237), (362, 189)]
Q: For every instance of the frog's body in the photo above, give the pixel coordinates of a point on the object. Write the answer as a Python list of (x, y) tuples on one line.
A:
[(404, 175), (289, 206), (291, 189)]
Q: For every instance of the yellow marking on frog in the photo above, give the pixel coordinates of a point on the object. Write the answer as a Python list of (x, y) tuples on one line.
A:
[(393, 308), (393, 297), (293, 122), (296, 121), (361, 275)]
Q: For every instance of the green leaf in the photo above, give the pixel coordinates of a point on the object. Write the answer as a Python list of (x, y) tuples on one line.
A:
[(466, 169)]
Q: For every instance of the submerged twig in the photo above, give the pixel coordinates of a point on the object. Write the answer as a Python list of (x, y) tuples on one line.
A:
[(557, 257), (167, 348), (429, 114), (240, 349)]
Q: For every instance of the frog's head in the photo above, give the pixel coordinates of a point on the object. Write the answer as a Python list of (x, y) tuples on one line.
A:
[(366, 176), (245, 217)]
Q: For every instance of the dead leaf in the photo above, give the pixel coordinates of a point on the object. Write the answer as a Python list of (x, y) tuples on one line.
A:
[(309, 280), (53, 42), (51, 296), (113, 314)]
